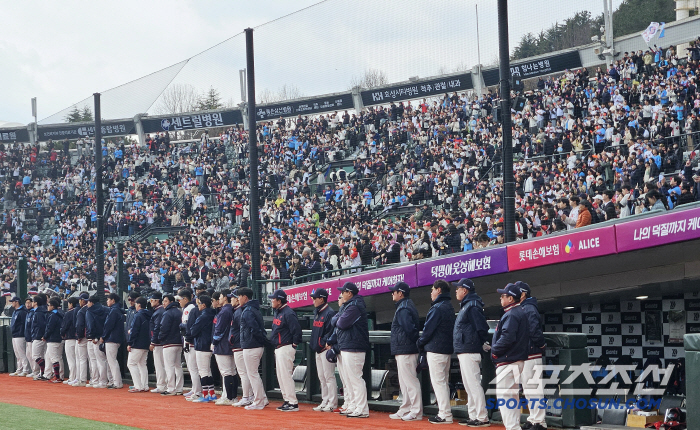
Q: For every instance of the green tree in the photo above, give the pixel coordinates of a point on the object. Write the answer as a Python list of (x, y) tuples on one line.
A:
[(210, 100), (74, 115), (86, 114), (574, 31), (635, 15)]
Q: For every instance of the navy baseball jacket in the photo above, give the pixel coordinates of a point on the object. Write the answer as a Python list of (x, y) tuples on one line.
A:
[(113, 325), (404, 328), (322, 328), (80, 325), (39, 322), (169, 333), (285, 327), (202, 329), (222, 330), (95, 321), (511, 339), (53, 326), (154, 324), (235, 332), (68, 325), (253, 334), (353, 331), (19, 317), (28, 323), (439, 323), (471, 329), (537, 342), (139, 332)]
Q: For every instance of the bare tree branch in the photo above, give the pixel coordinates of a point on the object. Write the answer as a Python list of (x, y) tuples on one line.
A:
[(177, 98), (372, 78), (285, 92)]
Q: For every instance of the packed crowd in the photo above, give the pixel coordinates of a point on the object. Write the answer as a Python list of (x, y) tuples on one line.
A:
[(589, 147)]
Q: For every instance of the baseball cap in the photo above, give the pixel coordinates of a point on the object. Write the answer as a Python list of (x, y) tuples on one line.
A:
[(349, 286), (598, 196), (14, 299), (523, 287), (510, 289), (465, 283), (401, 286), (84, 296), (233, 293), (156, 296), (319, 293), (279, 294)]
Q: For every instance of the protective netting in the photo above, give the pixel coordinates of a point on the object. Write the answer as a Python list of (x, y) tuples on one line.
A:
[(330, 46)]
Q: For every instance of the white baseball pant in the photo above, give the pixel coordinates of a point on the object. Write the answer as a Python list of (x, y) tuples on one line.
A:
[(251, 358), (410, 385), (470, 366), (137, 368), (326, 378), (172, 361), (439, 369), (284, 367), (507, 385)]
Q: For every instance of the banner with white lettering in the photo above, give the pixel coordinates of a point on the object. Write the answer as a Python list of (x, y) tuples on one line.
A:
[(304, 107), (418, 89), (78, 130), (534, 68), (10, 135), (192, 121)]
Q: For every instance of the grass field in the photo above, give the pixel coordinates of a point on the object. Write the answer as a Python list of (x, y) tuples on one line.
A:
[(19, 417)]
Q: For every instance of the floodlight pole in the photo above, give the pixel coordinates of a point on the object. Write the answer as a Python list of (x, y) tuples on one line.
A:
[(504, 69), (253, 149), (99, 198)]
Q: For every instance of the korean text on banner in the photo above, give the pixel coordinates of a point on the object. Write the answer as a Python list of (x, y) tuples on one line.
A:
[(379, 281), (469, 265), (672, 227), (559, 249), (300, 296)]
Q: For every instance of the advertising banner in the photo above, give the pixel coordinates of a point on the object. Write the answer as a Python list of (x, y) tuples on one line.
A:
[(469, 265), (78, 130), (193, 121), (672, 227), (300, 296), (534, 68), (12, 135), (561, 248), (379, 281), (418, 89), (304, 107)]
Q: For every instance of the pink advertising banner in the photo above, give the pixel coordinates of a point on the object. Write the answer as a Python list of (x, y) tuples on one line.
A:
[(672, 227), (379, 281), (562, 248), (300, 296)]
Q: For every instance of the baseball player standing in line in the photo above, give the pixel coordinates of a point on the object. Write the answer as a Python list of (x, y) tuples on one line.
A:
[(253, 340), (95, 324), (28, 322), (171, 340), (332, 342), (68, 334), (509, 351), (471, 334), (137, 345), (38, 329), (285, 336), (113, 337), (235, 340), (436, 340), (201, 332), (19, 343), (353, 341), (536, 420), (321, 331), (155, 346), (223, 352), (52, 337), (81, 344), (404, 334), (190, 311)]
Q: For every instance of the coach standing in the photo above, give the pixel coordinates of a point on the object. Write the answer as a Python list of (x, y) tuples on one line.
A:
[(436, 341), (235, 339), (253, 340), (52, 337), (170, 339), (470, 335), (156, 347), (69, 337), (19, 343), (509, 351), (320, 333), (95, 324), (190, 311), (223, 352), (536, 420), (404, 334), (38, 330), (285, 336), (353, 342), (113, 337)]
